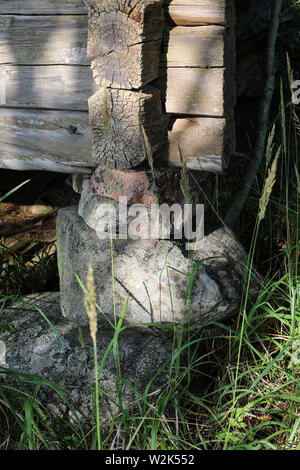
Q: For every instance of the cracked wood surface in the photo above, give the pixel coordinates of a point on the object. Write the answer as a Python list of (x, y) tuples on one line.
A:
[(45, 66), (117, 118), (125, 39)]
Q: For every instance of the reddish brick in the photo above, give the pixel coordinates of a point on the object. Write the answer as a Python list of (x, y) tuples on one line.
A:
[(138, 186)]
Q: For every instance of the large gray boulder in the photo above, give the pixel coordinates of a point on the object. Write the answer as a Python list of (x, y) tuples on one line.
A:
[(51, 349), (153, 275)]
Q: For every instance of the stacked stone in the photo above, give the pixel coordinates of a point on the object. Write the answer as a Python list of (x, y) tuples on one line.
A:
[(148, 274), (129, 134)]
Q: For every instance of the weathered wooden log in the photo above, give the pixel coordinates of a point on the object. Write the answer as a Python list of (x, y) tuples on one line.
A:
[(194, 91), (45, 140), (200, 46), (117, 118), (43, 7), (204, 143), (37, 40), (47, 40), (199, 12), (125, 40), (57, 140), (179, 12), (50, 87)]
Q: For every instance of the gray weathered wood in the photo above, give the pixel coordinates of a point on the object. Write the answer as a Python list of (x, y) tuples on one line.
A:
[(51, 87), (126, 69), (125, 40), (197, 12), (117, 118), (201, 141), (43, 50), (43, 7), (62, 40), (200, 46), (195, 91), (45, 140), (38, 40)]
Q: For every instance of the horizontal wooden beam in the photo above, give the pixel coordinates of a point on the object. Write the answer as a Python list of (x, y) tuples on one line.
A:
[(199, 12), (189, 91), (51, 87), (45, 140), (38, 40), (201, 142), (194, 91), (179, 12), (61, 141), (43, 7), (200, 46)]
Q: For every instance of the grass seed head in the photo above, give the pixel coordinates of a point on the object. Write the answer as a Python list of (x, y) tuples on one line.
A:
[(90, 302), (268, 187), (184, 181)]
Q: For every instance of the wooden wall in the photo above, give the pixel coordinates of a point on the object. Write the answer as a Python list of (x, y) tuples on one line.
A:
[(46, 81), (200, 94)]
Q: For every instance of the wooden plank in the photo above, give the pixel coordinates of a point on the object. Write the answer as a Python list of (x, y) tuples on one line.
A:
[(199, 46), (43, 7), (197, 12), (51, 87), (195, 91), (201, 141), (43, 40), (45, 140), (117, 118), (125, 38)]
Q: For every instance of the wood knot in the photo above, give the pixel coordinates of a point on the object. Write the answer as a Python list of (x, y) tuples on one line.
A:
[(72, 130)]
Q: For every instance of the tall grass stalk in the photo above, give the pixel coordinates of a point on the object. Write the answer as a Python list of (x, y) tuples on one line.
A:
[(90, 306), (243, 376), (263, 203)]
